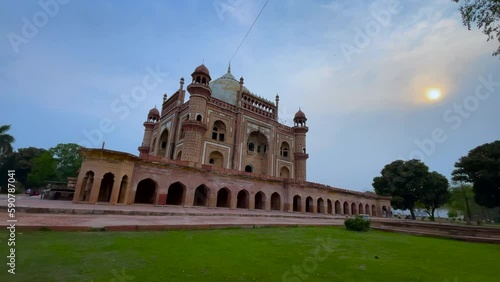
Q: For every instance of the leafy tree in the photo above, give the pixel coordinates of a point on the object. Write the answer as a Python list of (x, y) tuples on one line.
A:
[(24, 158), (481, 167), (6, 141), (44, 168), (404, 181), (486, 15), (68, 159), (435, 193)]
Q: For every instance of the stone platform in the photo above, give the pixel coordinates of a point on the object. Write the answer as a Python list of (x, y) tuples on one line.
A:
[(33, 213)]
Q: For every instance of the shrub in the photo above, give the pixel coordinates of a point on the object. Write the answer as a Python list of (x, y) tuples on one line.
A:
[(357, 224)]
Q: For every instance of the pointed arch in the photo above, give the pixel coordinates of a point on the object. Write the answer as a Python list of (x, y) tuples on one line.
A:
[(329, 206), (176, 193), (223, 198), (145, 192), (297, 203), (346, 208), (106, 187), (275, 201), (367, 209), (284, 172), (201, 195), (309, 204), (163, 143), (361, 209), (374, 211), (338, 207), (354, 209), (260, 200), (320, 205), (242, 199)]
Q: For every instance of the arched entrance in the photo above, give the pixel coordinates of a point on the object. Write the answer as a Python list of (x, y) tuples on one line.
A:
[(330, 206), (338, 208), (297, 203), (284, 172), (223, 198), (260, 200), (309, 204), (106, 187), (374, 211), (367, 209), (201, 196), (361, 210), (145, 192), (242, 200), (354, 209), (216, 159), (321, 208), (162, 150), (275, 201), (175, 194), (346, 208)]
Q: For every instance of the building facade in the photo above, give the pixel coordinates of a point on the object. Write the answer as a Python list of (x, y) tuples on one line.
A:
[(223, 147)]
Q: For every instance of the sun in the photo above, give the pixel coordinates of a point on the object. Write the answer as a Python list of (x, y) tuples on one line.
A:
[(433, 94)]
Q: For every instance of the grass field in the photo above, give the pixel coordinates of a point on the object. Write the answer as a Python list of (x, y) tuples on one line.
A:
[(268, 254)]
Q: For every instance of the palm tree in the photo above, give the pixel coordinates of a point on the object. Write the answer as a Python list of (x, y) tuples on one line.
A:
[(6, 140)]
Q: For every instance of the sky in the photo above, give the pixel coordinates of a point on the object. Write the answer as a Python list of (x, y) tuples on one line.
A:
[(360, 70)]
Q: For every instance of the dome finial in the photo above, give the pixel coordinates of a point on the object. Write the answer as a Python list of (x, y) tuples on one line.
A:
[(229, 68)]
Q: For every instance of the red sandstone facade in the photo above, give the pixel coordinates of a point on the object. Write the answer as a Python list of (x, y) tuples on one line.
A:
[(224, 147)]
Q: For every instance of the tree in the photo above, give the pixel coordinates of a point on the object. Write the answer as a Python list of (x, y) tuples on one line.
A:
[(24, 158), (481, 167), (404, 181), (44, 168), (486, 15), (68, 159), (435, 193), (6, 141)]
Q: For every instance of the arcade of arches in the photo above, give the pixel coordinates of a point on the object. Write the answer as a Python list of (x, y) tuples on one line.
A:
[(143, 184), (146, 192)]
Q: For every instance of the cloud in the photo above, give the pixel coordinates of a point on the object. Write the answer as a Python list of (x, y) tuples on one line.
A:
[(394, 70)]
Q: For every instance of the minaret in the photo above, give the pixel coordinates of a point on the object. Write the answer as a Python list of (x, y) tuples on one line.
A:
[(300, 153), (153, 117), (195, 127)]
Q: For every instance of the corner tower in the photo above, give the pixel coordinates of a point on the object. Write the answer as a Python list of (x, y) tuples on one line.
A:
[(300, 153), (153, 118), (195, 127)]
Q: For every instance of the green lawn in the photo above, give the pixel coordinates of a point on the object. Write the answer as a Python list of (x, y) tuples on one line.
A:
[(247, 255)]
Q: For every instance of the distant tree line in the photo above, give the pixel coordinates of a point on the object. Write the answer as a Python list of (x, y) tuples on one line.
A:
[(35, 166), (475, 190)]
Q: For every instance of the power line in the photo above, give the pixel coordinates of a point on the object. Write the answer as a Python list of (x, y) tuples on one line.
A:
[(241, 43)]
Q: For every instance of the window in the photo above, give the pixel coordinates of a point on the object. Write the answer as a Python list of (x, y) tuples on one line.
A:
[(248, 168), (218, 131), (214, 133), (164, 145), (198, 118), (211, 161), (251, 147), (284, 149)]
